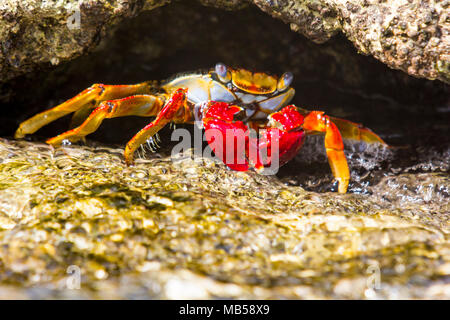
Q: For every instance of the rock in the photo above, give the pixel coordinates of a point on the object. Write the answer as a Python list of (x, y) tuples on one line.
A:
[(78, 218), (39, 33), (409, 36), (412, 36)]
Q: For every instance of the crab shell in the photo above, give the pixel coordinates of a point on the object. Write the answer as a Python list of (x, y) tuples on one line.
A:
[(279, 139)]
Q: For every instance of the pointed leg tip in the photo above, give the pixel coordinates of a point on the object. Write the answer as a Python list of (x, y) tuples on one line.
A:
[(129, 161), (342, 185), (19, 134), (342, 190), (53, 141)]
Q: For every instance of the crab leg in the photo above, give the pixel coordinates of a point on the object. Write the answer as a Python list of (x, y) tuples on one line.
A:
[(138, 105), (87, 99), (175, 110), (351, 130), (317, 121), (356, 131)]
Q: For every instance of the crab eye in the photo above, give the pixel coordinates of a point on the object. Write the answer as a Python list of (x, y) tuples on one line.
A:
[(285, 81), (222, 72)]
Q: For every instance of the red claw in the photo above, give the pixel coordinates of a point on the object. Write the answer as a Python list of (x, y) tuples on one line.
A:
[(284, 129), (287, 119), (222, 111), (228, 139), (233, 143)]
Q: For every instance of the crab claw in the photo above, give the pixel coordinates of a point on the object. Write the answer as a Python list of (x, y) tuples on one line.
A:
[(277, 142), (226, 137)]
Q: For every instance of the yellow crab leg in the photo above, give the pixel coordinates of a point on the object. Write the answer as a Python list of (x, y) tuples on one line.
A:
[(175, 110), (88, 98), (138, 105), (81, 114)]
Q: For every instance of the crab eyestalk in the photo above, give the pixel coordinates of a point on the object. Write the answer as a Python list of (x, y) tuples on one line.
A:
[(285, 81), (222, 72)]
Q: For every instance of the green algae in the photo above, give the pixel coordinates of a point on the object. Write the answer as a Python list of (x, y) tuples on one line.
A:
[(147, 231)]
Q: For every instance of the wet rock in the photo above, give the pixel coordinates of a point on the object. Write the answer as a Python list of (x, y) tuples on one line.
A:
[(78, 218), (409, 36)]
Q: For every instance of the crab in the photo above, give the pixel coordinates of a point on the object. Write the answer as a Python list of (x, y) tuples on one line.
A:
[(228, 103)]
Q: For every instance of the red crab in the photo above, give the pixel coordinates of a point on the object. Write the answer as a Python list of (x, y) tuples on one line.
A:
[(248, 122)]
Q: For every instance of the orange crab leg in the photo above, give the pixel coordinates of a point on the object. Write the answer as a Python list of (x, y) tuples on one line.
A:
[(138, 105), (352, 130), (356, 131), (175, 110), (317, 121), (87, 99)]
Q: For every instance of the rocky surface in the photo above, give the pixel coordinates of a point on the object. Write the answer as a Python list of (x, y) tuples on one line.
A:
[(412, 36), (77, 223), (39, 33)]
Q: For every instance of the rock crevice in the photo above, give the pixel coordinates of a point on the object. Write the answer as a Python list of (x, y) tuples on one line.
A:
[(412, 36)]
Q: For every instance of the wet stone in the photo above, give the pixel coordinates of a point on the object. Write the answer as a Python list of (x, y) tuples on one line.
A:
[(77, 223)]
